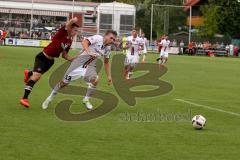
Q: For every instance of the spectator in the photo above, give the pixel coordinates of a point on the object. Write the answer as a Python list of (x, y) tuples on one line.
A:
[(190, 48), (222, 45), (231, 49), (181, 47), (227, 49), (174, 43), (236, 51)]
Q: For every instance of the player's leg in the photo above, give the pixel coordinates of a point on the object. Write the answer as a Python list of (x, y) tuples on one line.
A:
[(4, 41), (126, 67), (41, 65), (165, 58), (133, 64), (131, 68), (126, 70), (54, 92), (74, 72), (144, 56), (27, 75), (92, 79), (161, 59)]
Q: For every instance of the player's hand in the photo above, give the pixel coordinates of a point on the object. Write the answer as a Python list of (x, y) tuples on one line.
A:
[(109, 78)]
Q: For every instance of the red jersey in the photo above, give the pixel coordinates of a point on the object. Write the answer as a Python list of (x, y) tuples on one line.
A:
[(3, 35), (60, 42)]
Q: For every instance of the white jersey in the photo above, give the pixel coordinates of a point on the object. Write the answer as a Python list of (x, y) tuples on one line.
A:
[(165, 45), (134, 45), (84, 65), (97, 47)]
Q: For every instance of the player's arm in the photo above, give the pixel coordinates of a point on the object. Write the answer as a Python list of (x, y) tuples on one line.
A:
[(67, 57), (85, 44), (70, 23), (107, 70)]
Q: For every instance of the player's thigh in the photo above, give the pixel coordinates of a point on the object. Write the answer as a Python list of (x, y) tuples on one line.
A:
[(36, 76), (72, 75), (91, 75), (162, 53), (135, 59), (165, 55), (42, 64), (74, 72), (131, 59), (145, 51), (127, 61)]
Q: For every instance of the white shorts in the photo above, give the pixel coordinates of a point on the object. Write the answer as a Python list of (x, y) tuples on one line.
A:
[(89, 74), (131, 59), (164, 54)]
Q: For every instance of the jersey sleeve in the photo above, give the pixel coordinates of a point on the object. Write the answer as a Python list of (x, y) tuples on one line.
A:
[(94, 39)]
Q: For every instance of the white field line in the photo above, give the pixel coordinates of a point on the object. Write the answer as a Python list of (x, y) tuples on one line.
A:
[(208, 107)]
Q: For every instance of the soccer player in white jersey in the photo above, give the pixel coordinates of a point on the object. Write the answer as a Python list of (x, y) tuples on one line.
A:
[(165, 43), (134, 46), (145, 46), (84, 66)]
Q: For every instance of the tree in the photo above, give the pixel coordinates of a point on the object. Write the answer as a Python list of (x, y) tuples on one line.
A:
[(222, 16), (211, 24)]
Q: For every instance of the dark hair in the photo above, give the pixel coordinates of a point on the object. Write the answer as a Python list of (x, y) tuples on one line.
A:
[(111, 32), (75, 25)]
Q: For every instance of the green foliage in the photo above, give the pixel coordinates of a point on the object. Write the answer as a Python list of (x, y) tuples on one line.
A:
[(223, 17), (210, 27)]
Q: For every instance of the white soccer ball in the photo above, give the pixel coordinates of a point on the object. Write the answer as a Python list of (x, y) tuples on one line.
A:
[(198, 122)]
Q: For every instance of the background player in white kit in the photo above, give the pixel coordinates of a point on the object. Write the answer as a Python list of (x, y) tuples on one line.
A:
[(84, 66), (134, 45), (145, 47), (165, 43)]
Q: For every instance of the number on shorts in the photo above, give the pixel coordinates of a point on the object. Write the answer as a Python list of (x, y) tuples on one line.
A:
[(68, 78)]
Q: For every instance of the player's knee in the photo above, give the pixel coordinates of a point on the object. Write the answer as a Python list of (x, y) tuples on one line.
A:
[(95, 80), (63, 84), (132, 65), (36, 76)]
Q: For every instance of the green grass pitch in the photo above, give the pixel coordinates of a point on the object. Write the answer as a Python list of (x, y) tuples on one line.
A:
[(208, 86)]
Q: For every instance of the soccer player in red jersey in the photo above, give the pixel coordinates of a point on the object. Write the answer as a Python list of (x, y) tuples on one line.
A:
[(60, 45)]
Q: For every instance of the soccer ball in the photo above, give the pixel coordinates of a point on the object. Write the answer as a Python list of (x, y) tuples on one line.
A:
[(198, 122)]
